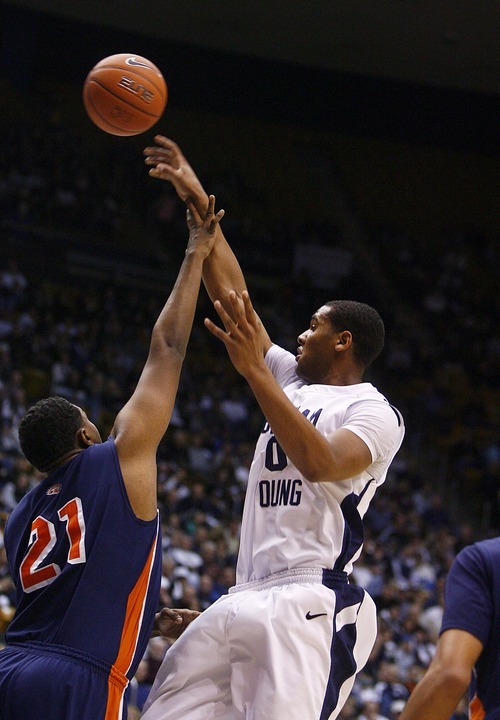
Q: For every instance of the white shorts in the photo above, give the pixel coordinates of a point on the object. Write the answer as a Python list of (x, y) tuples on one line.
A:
[(284, 648)]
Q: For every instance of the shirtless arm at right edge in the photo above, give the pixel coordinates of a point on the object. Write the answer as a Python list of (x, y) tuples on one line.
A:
[(221, 269)]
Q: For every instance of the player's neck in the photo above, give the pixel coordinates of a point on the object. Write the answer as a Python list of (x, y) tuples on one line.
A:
[(61, 460), (346, 374)]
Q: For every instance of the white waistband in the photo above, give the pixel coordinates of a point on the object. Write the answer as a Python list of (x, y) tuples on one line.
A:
[(285, 577)]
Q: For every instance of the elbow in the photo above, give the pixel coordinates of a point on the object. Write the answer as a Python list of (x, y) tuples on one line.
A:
[(333, 472), (319, 473), (327, 470), (163, 344), (454, 677), (175, 351), (317, 477), (322, 478)]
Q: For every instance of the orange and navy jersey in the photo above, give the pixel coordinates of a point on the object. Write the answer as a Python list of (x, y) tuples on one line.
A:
[(472, 603), (476, 709), (87, 570)]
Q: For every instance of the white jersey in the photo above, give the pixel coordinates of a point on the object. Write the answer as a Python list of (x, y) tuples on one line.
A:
[(293, 614), (290, 523)]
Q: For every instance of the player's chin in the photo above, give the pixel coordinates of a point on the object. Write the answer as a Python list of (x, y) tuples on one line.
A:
[(299, 369)]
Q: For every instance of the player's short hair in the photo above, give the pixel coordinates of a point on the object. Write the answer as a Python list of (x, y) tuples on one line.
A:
[(47, 430), (365, 325)]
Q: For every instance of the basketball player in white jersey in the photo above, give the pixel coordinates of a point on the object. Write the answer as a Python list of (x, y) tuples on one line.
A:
[(288, 639)]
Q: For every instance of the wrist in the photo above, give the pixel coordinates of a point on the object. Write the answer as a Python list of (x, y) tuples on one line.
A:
[(197, 252), (197, 195), (257, 374)]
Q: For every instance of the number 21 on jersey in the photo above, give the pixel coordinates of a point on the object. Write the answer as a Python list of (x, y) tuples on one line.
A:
[(43, 538)]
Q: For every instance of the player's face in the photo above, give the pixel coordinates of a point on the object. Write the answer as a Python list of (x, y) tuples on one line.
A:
[(316, 351)]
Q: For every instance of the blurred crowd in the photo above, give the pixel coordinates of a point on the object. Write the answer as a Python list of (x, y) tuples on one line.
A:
[(87, 340)]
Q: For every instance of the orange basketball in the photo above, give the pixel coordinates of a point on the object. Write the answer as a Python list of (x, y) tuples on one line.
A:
[(125, 94)]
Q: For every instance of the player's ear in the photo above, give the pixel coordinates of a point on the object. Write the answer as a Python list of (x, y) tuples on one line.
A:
[(83, 439), (344, 340)]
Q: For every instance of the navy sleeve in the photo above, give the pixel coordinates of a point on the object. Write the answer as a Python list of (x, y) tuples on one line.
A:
[(468, 601)]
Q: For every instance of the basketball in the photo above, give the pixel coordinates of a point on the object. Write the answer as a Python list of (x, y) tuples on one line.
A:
[(125, 94)]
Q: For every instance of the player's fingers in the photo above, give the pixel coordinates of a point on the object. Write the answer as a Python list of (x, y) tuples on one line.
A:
[(210, 207), (154, 172), (163, 171), (210, 218), (209, 212), (215, 221), (215, 330), (237, 306), (228, 321), (188, 615), (156, 159), (157, 150), (250, 313), (166, 142), (171, 614), (163, 168), (158, 154), (159, 160), (193, 211)]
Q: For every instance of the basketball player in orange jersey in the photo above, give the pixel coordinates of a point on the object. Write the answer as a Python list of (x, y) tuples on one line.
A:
[(289, 638), (84, 546)]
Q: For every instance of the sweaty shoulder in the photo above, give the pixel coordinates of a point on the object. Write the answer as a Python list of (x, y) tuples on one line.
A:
[(282, 365)]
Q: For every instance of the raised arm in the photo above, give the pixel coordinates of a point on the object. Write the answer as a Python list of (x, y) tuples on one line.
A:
[(142, 422), (221, 270)]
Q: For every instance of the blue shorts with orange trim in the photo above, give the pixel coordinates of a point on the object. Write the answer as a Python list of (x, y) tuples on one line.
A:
[(41, 681)]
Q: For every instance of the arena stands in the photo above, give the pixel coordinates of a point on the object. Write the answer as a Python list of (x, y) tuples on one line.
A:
[(89, 247)]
